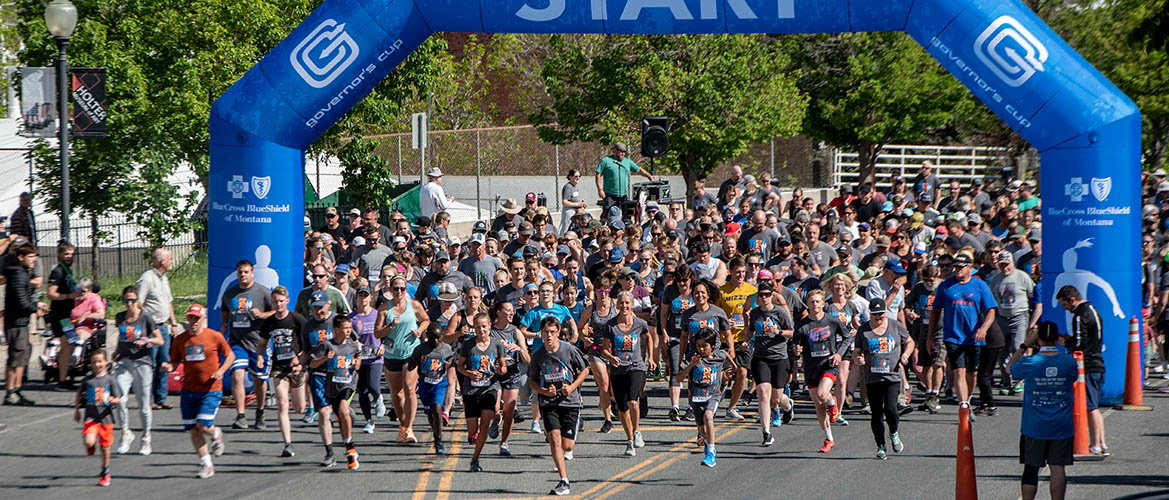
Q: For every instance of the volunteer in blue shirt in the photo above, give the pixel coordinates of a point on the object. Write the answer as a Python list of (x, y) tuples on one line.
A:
[(968, 307), (1046, 429)]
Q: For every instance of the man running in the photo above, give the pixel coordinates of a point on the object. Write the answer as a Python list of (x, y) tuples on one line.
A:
[(282, 331), (969, 308), (199, 349), (556, 373), (245, 306), (821, 356)]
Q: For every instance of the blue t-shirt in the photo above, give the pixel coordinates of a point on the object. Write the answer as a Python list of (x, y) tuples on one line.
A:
[(963, 306), (1047, 395), (533, 318)]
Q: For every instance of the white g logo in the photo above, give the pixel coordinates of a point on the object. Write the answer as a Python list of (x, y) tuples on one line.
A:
[(1006, 62), (338, 53)]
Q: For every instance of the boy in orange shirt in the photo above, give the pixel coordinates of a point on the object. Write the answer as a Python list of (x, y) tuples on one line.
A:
[(97, 393)]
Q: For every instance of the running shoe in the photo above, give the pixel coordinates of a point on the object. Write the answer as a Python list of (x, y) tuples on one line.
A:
[(833, 411), (328, 461), (789, 414), (104, 480), (898, 445), (381, 407), (674, 414), (391, 414), (638, 441), (287, 453), (606, 427), (217, 445), (904, 409), (124, 446), (630, 450), (561, 489), (865, 410), (206, 470), (881, 452), (518, 417), (568, 455), (827, 446), (369, 427), (536, 427), (439, 448), (688, 416), (260, 424), (503, 450), (493, 429), (840, 420), (475, 466), (767, 439), (709, 460), (145, 450), (734, 414), (1099, 452), (351, 457), (310, 416), (241, 422), (990, 411), (446, 419), (776, 420)]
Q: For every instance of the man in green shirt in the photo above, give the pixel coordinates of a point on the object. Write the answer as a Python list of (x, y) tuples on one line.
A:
[(613, 178)]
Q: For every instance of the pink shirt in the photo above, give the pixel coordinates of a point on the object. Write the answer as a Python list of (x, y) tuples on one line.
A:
[(88, 304)]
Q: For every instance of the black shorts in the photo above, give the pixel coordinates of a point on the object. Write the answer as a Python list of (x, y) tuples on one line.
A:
[(698, 409), (743, 355), (963, 356), (812, 377), (1041, 452), (774, 372), (476, 404), (560, 418), (19, 348), (346, 395), (395, 365), (626, 387)]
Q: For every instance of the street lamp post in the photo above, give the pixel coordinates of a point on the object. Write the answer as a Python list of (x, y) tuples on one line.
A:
[(61, 19)]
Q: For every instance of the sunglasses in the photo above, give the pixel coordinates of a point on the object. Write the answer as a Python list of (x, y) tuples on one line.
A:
[(530, 292), (320, 276), (128, 301), (604, 291), (399, 289)]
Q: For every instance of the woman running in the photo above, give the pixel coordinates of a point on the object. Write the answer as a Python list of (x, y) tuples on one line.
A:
[(516, 359), (840, 306), (593, 320), (676, 299), (626, 344), (400, 323), (369, 376), (771, 327), (883, 344), (481, 359)]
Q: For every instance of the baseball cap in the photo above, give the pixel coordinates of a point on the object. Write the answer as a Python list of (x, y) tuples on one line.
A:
[(434, 172), (620, 146), (399, 239), (447, 292), (865, 226), (355, 211), (363, 289), (962, 260), (616, 255), (974, 219), (618, 225), (732, 228), (319, 298), (528, 251), (628, 271), (941, 230), (526, 228), (916, 219), (563, 249), (479, 238), (884, 241), (843, 250), (358, 241), (441, 255), (1016, 231), (887, 206), (1005, 257), (480, 227), (891, 226), (652, 205), (895, 266), (1035, 235), (342, 269), (197, 310), (876, 306), (423, 221), (331, 211), (920, 248), (530, 197), (1163, 187)]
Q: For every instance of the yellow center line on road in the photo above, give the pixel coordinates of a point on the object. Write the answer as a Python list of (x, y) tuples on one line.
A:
[(452, 461), (421, 488), (678, 455)]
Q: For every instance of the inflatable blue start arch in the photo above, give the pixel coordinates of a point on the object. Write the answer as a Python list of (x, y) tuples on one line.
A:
[(1087, 130)]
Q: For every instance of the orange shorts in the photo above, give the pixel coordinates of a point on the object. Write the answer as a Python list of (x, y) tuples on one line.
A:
[(105, 432)]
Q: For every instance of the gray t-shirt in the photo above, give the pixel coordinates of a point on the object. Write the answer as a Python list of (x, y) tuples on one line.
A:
[(481, 272), (628, 345), (507, 335), (557, 369), (432, 362), (484, 361), (570, 193), (129, 331), (428, 287), (879, 289), (315, 333), (339, 370), (822, 255), (766, 328), (694, 320), (882, 351), (369, 261), (243, 328), (706, 379), (762, 242), (1011, 292)]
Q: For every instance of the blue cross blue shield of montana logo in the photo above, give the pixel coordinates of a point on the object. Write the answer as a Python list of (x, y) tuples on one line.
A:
[(261, 186), (1101, 188)]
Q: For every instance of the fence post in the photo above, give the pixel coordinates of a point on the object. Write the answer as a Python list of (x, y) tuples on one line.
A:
[(121, 271), (772, 142), (556, 193), (478, 172), (399, 160)]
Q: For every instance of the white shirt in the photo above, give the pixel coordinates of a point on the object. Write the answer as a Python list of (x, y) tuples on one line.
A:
[(432, 199)]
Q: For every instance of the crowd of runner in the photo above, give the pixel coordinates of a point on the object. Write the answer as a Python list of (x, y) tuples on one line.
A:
[(882, 301)]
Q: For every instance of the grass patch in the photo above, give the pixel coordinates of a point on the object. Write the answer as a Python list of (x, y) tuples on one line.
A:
[(188, 284)]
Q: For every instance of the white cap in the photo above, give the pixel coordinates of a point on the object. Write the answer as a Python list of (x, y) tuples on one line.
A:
[(1163, 186), (358, 241), (434, 172)]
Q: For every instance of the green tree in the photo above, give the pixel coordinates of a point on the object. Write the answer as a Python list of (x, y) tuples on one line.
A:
[(721, 92), (868, 90)]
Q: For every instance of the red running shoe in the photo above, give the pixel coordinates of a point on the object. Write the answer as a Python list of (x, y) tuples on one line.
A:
[(104, 480), (827, 446)]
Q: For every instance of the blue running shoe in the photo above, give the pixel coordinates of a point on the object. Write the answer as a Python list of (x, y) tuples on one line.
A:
[(709, 459), (776, 421)]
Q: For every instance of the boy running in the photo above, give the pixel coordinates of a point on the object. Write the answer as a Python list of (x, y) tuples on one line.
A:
[(705, 371), (556, 373), (817, 336), (96, 394), (432, 358), (200, 350), (341, 357)]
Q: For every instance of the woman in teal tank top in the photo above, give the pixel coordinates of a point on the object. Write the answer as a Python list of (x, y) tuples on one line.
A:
[(400, 323)]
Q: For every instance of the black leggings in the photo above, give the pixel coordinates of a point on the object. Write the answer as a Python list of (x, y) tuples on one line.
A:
[(883, 403), (369, 387), (986, 361), (626, 388)]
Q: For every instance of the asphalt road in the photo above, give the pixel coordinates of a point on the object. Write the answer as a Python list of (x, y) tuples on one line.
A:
[(41, 456)]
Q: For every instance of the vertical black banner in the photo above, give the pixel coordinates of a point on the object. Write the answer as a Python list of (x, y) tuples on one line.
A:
[(89, 102)]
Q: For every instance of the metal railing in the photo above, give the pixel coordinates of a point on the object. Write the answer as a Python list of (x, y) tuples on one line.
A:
[(119, 252), (963, 163)]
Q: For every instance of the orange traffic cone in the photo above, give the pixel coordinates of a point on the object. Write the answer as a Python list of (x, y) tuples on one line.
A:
[(1080, 413), (965, 482), (1134, 376)]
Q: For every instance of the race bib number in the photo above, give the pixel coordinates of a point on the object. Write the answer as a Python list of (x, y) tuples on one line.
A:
[(737, 320), (342, 373), (374, 275), (99, 395), (367, 350), (241, 312), (881, 366), (818, 339), (625, 345), (195, 353), (700, 394), (552, 374), (432, 371), (282, 345), (70, 331)]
